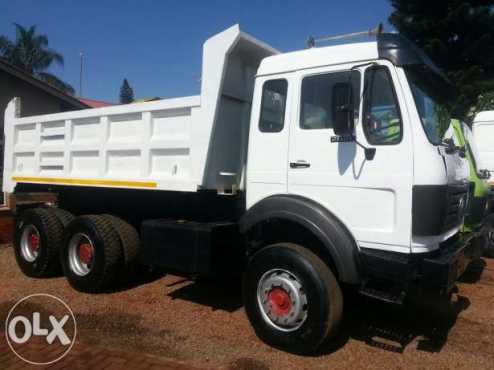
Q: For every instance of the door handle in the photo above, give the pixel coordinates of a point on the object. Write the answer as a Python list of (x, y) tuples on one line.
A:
[(299, 164)]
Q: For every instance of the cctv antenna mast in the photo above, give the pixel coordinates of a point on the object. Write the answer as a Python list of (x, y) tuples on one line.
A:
[(312, 41)]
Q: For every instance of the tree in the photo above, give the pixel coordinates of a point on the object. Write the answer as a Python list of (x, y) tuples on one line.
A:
[(31, 52), (126, 93), (484, 102), (458, 35)]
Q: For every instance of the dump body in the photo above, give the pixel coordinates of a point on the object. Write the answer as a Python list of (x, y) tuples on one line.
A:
[(182, 144)]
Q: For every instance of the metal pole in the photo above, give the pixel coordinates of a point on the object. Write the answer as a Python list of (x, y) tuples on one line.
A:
[(81, 54)]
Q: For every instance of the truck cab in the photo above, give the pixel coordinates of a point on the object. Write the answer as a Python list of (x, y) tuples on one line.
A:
[(388, 177)]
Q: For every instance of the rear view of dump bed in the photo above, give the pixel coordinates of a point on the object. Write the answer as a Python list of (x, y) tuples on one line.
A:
[(182, 144)]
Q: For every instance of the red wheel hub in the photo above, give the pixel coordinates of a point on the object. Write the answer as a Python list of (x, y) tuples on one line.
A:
[(280, 301), (86, 253), (33, 242)]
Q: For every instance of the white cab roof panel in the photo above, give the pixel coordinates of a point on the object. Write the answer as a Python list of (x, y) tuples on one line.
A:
[(318, 57)]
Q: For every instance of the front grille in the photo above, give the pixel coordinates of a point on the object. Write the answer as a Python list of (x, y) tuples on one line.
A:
[(457, 199), (438, 208)]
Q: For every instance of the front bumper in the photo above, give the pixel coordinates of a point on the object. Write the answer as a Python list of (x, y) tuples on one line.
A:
[(441, 269), (436, 271)]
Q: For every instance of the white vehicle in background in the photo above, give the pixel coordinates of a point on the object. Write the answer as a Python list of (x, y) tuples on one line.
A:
[(303, 170), (483, 132)]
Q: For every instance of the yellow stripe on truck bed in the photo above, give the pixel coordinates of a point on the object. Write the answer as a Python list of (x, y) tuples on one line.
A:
[(87, 182)]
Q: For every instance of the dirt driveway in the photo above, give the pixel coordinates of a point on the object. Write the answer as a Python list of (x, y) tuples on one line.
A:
[(203, 324)]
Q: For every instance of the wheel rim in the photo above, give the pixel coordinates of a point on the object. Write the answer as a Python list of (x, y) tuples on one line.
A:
[(282, 300), (30, 243), (81, 254)]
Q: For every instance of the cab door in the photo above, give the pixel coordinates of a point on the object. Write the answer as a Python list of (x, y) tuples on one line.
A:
[(372, 197), (268, 139)]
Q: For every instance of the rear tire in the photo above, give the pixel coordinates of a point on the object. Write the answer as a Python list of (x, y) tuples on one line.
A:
[(489, 246), (130, 241), (64, 216), (129, 238), (38, 239), (292, 298), (92, 254), (489, 249)]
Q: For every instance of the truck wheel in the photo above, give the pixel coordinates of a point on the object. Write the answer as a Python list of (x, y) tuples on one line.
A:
[(292, 298), (64, 216), (92, 254), (489, 233), (489, 246), (129, 238), (37, 241)]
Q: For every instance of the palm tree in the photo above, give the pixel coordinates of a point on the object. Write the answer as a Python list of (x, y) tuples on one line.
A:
[(30, 52)]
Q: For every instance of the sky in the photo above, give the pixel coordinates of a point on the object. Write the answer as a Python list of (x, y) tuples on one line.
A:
[(157, 45)]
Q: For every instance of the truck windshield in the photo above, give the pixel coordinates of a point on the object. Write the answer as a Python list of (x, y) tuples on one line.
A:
[(431, 101)]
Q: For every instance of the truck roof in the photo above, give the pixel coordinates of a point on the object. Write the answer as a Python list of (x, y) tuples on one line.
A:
[(487, 115), (318, 57), (391, 46)]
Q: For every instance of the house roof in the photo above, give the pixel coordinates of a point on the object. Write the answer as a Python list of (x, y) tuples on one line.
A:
[(95, 103), (30, 79), (144, 100)]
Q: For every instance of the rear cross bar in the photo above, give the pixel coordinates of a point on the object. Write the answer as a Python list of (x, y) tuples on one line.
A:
[(311, 41)]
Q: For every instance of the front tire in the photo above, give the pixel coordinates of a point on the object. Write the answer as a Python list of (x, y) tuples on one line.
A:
[(292, 298), (92, 254)]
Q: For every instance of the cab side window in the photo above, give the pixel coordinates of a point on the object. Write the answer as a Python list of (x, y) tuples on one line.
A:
[(317, 97), (273, 106), (382, 119)]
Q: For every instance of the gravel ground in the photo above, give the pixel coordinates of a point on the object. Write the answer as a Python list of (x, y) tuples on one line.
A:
[(203, 323)]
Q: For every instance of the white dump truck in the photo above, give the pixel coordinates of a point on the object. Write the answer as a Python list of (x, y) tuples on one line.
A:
[(483, 132), (304, 171)]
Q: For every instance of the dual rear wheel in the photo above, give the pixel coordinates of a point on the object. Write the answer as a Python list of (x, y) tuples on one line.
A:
[(92, 255), (38, 238), (92, 251)]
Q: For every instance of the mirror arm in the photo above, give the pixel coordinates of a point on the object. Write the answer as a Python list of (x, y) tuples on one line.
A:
[(370, 153), (451, 148)]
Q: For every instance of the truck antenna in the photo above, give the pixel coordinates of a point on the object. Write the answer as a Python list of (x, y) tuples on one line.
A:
[(311, 41)]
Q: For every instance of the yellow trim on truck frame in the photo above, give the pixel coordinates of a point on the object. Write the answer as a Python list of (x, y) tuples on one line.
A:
[(86, 182)]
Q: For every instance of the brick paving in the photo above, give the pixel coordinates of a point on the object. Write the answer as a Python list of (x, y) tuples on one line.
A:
[(83, 356)]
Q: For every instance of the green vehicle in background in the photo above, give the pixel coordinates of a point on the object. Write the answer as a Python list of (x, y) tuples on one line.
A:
[(480, 217)]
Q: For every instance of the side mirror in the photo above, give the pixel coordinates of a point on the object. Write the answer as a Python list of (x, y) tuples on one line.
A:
[(484, 174), (342, 108)]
